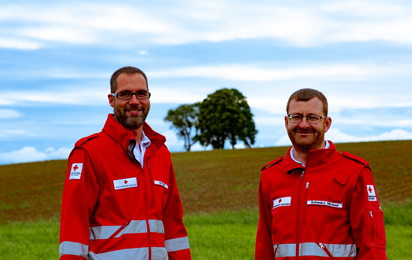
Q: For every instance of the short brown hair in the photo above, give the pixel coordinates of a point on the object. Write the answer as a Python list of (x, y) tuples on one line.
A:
[(128, 70), (306, 94)]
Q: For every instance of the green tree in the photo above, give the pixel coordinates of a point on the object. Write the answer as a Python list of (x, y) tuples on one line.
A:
[(183, 119), (225, 115)]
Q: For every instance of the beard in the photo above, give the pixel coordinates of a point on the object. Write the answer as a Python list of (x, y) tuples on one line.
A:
[(131, 122), (312, 141)]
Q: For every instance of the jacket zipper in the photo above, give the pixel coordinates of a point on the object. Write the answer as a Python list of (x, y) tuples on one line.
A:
[(324, 248), (305, 203), (372, 228), (151, 184), (147, 215), (276, 249), (112, 236), (298, 215)]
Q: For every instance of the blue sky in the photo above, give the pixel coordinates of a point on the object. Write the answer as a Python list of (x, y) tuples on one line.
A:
[(56, 58)]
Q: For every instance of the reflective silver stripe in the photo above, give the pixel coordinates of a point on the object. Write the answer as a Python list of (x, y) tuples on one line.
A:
[(72, 248), (158, 253), (338, 250), (312, 249), (177, 244), (135, 227), (285, 250)]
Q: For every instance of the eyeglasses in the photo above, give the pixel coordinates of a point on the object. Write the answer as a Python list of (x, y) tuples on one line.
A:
[(312, 119), (126, 95)]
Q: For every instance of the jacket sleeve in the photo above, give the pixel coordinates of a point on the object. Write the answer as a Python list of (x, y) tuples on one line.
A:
[(366, 218), (79, 198), (264, 246), (176, 240)]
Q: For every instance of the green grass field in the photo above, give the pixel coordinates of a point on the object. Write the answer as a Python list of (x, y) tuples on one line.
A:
[(219, 195), (227, 235)]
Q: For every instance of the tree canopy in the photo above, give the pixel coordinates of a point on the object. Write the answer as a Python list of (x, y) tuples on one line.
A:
[(184, 119), (225, 115)]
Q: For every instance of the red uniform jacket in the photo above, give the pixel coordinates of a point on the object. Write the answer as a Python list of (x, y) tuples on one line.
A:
[(114, 208), (328, 209)]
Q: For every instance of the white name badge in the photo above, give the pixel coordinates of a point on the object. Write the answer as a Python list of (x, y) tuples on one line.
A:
[(164, 185), (125, 183), (281, 202), (325, 203)]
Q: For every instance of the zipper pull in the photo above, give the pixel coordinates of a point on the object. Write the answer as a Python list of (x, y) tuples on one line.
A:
[(148, 165), (275, 247), (321, 245), (307, 185), (303, 172), (370, 214)]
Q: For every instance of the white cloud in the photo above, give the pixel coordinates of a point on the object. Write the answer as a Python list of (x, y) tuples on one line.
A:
[(22, 44), (343, 72), (171, 139), (177, 95), (396, 134), (31, 154), (5, 134), (198, 147), (61, 153), (74, 97), (306, 24), (276, 120), (9, 113), (336, 136), (283, 141)]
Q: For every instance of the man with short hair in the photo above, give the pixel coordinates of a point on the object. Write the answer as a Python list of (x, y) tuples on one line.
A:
[(120, 199), (315, 202)]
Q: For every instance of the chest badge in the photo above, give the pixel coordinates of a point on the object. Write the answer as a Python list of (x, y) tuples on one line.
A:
[(125, 183), (281, 202)]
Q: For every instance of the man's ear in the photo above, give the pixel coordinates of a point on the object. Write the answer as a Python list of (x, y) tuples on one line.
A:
[(328, 123), (111, 100), (286, 121)]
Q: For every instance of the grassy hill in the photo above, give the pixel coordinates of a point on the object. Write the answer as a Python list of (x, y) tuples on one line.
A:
[(209, 181)]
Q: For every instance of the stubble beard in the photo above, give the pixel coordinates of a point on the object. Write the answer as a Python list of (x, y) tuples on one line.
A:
[(314, 141), (131, 122)]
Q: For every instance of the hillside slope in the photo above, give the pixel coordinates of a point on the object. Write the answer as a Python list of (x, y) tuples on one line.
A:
[(208, 181)]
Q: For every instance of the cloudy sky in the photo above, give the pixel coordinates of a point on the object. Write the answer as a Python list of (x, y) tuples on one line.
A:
[(56, 58)]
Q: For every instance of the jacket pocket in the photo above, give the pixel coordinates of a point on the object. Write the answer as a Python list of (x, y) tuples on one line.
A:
[(376, 228), (112, 236)]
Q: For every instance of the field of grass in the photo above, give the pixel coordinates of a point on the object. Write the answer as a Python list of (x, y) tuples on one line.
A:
[(225, 235), (219, 195)]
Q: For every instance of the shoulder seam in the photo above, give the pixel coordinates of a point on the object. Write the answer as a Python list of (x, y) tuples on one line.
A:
[(82, 141), (270, 164), (355, 158)]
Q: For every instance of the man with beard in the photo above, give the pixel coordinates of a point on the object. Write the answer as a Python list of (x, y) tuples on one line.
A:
[(120, 199), (315, 202)]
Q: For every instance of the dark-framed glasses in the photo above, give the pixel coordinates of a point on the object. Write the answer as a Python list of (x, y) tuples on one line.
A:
[(126, 95), (312, 119)]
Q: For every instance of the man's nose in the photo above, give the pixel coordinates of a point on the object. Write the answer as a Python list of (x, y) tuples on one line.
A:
[(304, 123), (134, 99)]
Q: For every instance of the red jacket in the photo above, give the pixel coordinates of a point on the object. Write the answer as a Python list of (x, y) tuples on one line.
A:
[(113, 208), (329, 208)]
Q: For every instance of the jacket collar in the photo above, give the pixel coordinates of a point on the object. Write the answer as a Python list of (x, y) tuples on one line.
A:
[(126, 138), (318, 156)]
